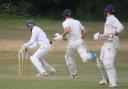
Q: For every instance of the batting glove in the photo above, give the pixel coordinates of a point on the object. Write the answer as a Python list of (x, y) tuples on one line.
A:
[(96, 36)]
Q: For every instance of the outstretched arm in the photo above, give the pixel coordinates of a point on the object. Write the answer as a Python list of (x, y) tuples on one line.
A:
[(59, 37)]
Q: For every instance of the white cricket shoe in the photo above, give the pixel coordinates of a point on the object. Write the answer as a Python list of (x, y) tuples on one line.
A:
[(102, 82), (50, 72), (113, 85), (53, 71), (74, 76), (42, 73)]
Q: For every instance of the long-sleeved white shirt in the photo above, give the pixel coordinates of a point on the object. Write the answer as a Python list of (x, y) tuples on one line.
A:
[(37, 37), (112, 26), (75, 29)]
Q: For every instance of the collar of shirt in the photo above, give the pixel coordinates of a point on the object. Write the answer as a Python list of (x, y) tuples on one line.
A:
[(33, 27), (108, 17), (69, 18)]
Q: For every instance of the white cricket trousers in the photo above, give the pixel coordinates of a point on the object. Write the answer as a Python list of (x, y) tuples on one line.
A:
[(80, 46), (38, 60), (107, 56)]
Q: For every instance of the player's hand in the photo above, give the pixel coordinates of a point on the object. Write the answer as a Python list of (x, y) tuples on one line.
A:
[(117, 34), (50, 42), (24, 47), (26, 50), (102, 37)]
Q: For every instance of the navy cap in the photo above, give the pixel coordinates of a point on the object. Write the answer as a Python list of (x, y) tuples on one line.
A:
[(109, 8), (67, 12)]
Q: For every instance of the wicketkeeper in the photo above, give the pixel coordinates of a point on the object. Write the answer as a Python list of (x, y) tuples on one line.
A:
[(112, 28), (74, 31), (39, 38)]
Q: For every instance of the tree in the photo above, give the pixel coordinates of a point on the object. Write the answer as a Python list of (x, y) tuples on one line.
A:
[(81, 8)]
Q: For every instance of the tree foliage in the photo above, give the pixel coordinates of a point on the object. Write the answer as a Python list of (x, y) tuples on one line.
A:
[(81, 8)]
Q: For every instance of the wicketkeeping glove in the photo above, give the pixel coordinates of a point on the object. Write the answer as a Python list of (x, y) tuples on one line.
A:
[(58, 37)]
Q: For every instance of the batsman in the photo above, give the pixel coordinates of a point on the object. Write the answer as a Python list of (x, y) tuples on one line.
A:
[(39, 38), (74, 32), (112, 28)]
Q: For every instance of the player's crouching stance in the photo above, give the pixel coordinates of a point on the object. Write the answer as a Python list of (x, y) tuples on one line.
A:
[(74, 32), (39, 38), (108, 51)]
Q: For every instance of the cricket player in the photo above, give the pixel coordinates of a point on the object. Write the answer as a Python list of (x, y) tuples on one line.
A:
[(112, 28), (74, 31), (39, 38)]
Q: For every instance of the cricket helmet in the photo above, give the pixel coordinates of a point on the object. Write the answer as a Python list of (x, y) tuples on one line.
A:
[(30, 23), (109, 8), (67, 12)]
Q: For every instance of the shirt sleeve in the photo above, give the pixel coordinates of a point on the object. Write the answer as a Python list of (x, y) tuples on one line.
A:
[(33, 45), (82, 27), (33, 38), (65, 25), (119, 27)]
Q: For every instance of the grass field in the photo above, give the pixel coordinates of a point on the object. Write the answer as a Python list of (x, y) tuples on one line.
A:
[(13, 34)]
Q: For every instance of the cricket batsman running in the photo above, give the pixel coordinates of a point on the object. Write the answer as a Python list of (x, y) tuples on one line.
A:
[(38, 37), (112, 28), (74, 32)]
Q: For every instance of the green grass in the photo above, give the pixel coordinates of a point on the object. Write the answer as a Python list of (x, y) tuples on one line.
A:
[(14, 29)]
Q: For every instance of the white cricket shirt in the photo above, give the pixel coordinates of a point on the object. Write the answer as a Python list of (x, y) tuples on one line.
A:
[(75, 29), (113, 25), (38, 37)]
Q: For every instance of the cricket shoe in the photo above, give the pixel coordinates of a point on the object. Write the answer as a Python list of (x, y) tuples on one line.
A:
[(93, 54), (103, 82), (48, 73), (42, 73), (74, 76), (51, 71), (113, 86)]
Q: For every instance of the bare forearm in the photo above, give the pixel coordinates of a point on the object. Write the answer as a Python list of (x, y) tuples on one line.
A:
[(65, 32), (83, 32)]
